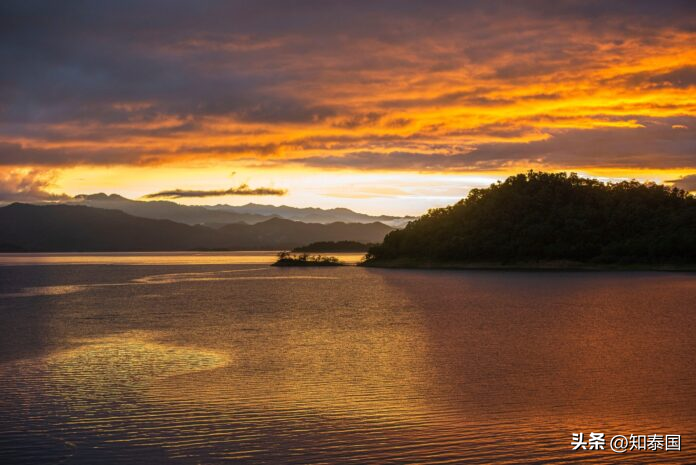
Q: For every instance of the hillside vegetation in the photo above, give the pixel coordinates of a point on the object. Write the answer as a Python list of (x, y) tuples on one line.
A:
[(540, 216)]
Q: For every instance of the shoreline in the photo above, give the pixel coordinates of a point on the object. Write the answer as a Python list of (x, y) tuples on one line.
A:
[(523, 266)]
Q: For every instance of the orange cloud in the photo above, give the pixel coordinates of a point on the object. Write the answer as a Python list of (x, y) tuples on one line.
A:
[(28, 186), (437, 88)]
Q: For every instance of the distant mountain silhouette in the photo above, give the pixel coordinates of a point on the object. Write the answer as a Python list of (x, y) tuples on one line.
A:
[(218, 215), (313, 215), (537, 217), (61, 228), (166, 210), (335, 246)]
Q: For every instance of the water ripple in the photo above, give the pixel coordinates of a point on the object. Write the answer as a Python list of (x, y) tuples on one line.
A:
[(167, 278), (347, 366)]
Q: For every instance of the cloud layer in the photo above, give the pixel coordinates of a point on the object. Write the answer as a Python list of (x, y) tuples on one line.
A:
[(28, 186), (242, 189), (389, 85)]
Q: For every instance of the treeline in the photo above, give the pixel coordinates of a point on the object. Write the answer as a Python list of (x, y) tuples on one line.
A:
[(541, 216), (291, 259)]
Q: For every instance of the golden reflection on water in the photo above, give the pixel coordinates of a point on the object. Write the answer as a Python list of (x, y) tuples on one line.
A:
[(349, 366), (155, 258), (123, 384), (126, 360), (382, 372), (166, 278), (97, 386), (368, 383)]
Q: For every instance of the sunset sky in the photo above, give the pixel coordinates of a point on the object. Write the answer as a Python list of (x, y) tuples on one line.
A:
[(379, 106)]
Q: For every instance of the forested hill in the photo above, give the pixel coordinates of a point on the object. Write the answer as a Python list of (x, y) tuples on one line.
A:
[(540, 216)]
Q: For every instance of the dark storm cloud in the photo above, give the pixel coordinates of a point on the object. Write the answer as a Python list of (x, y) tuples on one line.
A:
[(78, 61), (413, 161), (356, 121), (74, 60), (16, 154), (659, 143), (680, 78), (474, 97), (242, 189)]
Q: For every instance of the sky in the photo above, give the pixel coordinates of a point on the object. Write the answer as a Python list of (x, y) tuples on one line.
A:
[(387, 107)]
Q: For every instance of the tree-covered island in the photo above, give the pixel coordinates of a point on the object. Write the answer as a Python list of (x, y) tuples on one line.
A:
[(552, 220), (292, 259)]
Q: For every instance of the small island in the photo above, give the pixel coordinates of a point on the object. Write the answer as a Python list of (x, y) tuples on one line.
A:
[(335, 246), (290, 259), (543, 220)]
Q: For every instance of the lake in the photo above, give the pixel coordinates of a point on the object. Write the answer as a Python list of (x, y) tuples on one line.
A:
[(218, 357)]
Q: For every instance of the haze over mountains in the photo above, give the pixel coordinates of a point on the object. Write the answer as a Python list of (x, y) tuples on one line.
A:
[(219, 215), (73, 228)]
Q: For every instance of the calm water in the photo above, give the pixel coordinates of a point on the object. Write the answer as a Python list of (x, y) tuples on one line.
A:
[(225, 359), (154, 258)]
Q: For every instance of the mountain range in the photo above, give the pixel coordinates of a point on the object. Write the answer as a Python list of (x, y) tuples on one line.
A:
[(219, 215), (77, 228)]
